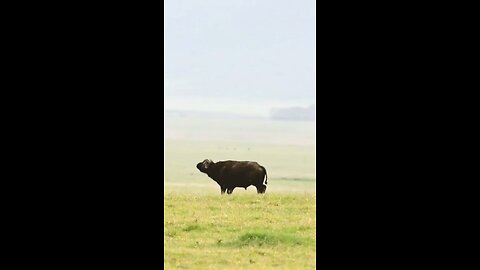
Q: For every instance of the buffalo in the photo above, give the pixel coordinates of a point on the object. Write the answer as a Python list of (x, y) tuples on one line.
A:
[(231, 174)]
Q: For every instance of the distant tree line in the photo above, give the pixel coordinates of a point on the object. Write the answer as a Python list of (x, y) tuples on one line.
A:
[(294, 113)]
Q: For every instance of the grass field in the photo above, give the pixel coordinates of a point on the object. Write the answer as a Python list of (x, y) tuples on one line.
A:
[(206, 230), (247, 231)]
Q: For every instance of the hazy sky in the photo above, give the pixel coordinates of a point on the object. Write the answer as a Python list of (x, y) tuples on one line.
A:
[(241, 56)]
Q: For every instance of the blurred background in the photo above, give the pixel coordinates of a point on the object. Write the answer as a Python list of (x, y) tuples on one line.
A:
[(240, 84)]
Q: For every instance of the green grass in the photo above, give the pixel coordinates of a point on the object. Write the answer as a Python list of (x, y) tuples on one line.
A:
[(247, 231)]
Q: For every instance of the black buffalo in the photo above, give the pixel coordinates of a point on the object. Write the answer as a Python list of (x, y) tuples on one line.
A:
[(231, 174)]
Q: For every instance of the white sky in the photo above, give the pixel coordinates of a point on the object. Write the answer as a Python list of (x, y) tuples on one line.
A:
[(240, 56)]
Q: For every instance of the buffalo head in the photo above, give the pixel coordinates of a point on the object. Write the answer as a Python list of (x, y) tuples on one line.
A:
[(203, 166)]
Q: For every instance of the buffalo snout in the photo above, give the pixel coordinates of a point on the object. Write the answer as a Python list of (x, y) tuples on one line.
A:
[(201, 167)]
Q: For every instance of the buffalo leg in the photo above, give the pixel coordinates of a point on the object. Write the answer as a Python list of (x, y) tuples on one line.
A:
[(230, 190), (261, 189), (222, 190)]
